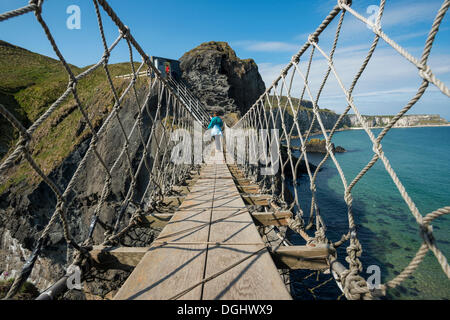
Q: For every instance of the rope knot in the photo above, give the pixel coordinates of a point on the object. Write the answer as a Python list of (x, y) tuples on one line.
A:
[(377, 149), (313, 39), (347, 196), (94, 140), (319, 236), (376, 28), (355, 287), (350, 98), (38, 4), (72, 84), (33, 3), (343, 3), (23, 141), (108, 182), (353, 253), (329, 147), (425, 73), (60, 204), (296, 223), (125, 34), (296, 58), (426, 232), (105, 57), (284, 71)]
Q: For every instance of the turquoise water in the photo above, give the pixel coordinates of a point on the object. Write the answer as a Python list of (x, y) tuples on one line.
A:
[(387, 230)]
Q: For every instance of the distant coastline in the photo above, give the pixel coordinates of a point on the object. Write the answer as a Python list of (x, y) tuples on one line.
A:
[(319, 133), (418, 126)]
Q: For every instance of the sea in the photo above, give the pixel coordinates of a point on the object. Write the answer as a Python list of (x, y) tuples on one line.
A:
[(388, 232)]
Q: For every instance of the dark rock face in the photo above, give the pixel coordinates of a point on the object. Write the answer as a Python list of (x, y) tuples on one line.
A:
[(300, 167), (319, 146), (339, 149), (220, 79), (26, 210)]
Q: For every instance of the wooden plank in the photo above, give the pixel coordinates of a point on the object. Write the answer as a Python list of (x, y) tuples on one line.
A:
[(157, 220), (165, 270), (244, 182), (252, 276), (117, 257), (238, 175), (257, 199), (253, 279), (172, 201), (183, 254), (233, 226), (300, 257), (248, 189), (279, 218), (182, 189), (191, 221)]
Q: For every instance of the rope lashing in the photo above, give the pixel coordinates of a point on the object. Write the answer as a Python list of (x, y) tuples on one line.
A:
[(184, 113), (271, 109)]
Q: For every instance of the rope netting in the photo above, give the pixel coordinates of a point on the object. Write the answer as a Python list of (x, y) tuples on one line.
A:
[(154, 161), (270, 112), (198, 109)]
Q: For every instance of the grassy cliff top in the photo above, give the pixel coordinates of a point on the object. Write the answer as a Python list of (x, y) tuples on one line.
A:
[(29, 84)]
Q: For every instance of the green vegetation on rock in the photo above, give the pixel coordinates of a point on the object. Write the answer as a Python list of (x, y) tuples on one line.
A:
[(296, 105), (29, 84), (27, 291)]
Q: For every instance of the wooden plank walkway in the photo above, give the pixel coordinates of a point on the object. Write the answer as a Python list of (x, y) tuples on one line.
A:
[(210, 249)]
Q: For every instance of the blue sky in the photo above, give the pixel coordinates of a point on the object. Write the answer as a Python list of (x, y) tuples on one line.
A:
[(270, 32)]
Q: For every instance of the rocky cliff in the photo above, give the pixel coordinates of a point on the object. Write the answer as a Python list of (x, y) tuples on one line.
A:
[(58, 145), (25, 207), (406, 121), (215, 74), (329, 118), (220, 79)]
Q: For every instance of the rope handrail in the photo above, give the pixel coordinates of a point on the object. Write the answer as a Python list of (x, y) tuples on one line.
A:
[(171, 112), (177, 107), (269, 111), (196, 107)]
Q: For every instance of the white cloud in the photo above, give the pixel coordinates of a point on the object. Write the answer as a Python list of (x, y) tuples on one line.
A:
[(388, 82), (410, 13), (267, 46), (396, 17)]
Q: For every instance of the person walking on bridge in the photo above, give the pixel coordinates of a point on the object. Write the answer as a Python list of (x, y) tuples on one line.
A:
[(216, 125)]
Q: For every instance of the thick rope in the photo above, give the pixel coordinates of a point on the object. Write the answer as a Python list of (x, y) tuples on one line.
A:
[(270, 111), (183, 113)]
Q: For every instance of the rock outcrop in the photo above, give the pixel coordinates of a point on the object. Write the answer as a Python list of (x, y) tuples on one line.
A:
[(220, 79), (319, 146)]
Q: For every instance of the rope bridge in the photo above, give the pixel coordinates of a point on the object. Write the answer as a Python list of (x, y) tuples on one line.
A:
[(270, 111), (179, 109), (171, 112)]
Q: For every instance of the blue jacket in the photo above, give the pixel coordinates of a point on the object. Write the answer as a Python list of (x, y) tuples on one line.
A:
[(215, 121)]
